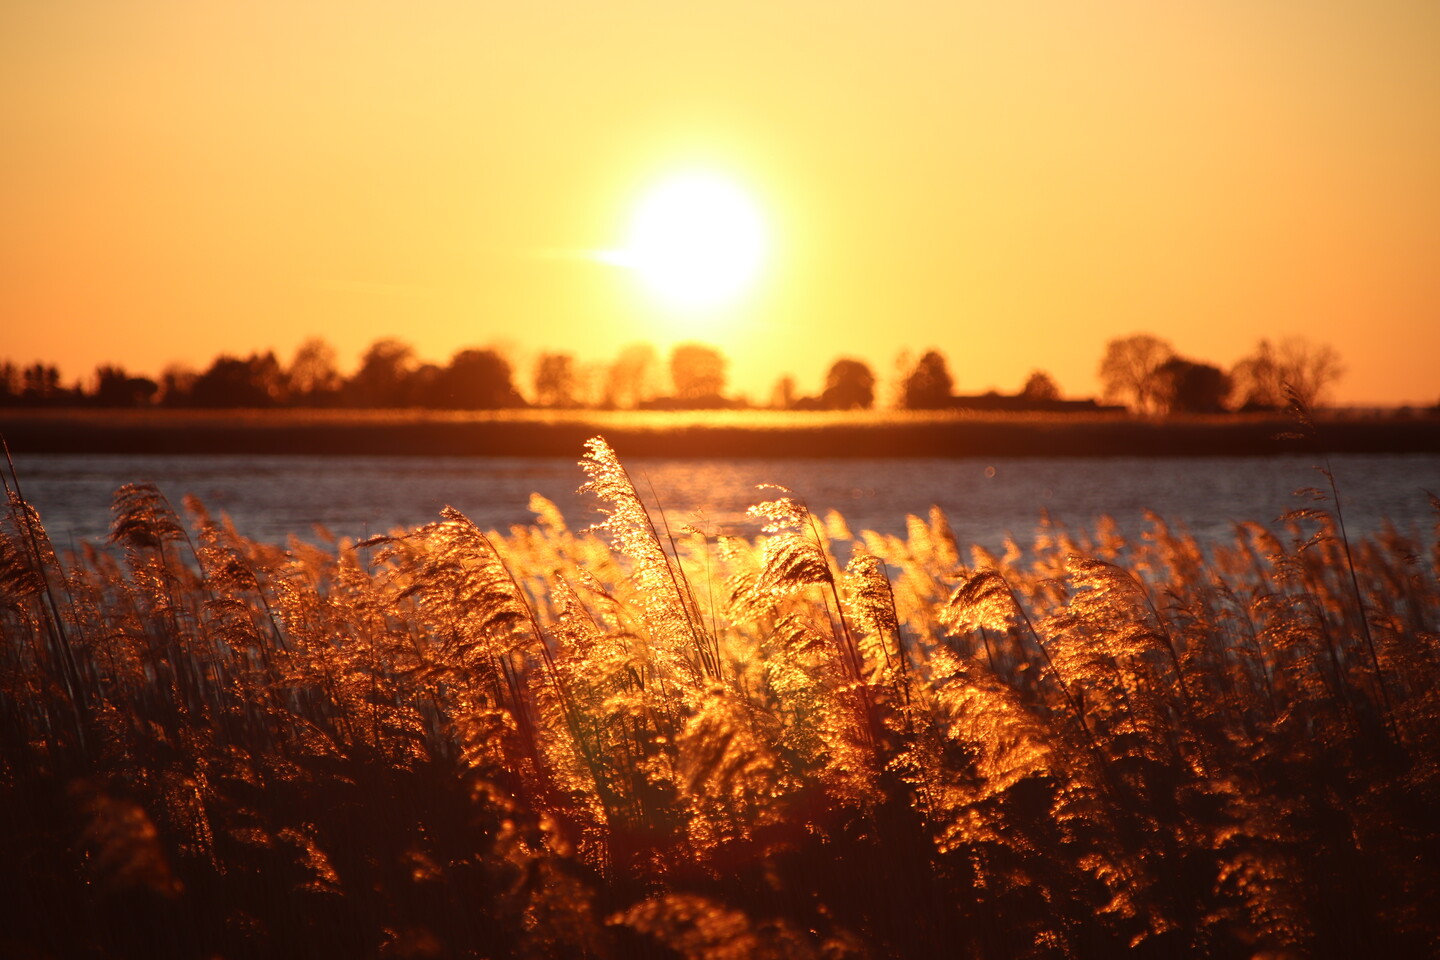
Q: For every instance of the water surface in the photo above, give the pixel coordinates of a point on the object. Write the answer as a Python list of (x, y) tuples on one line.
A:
[(271, 498)]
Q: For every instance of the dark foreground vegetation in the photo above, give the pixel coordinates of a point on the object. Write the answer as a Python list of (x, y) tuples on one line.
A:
[(642, 742), (696, 434)]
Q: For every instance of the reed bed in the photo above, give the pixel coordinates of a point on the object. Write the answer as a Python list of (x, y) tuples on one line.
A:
[(642, 740)]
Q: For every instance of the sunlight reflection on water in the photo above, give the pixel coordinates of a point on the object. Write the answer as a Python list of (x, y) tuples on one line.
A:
[(270, 498)]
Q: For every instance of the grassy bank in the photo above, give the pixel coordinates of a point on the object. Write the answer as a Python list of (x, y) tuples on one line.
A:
[(686, 434), (645, 743)]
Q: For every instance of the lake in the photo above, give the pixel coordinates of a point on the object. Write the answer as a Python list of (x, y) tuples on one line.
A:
[(272, 497)]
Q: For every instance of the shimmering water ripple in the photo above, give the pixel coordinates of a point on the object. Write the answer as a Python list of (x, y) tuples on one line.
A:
[(271, 498)]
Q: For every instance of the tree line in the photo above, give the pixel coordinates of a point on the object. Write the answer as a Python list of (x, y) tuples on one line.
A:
[(1141, 372), (1145, 373)]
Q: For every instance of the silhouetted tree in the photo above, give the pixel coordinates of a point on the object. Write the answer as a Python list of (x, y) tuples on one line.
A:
[(1040, 387), (555, 380), (176, 382), (900, 369), (698, 372), (381, 379), (631, 378), (929, 386), (256, 381), (1308, 369), (1255, 380), (425, 386), (116, 388), (41, 383), (1128, 371), (588, 382), (1185, 386), (782, 395), (313, 377), (476, 380), (850, 385)]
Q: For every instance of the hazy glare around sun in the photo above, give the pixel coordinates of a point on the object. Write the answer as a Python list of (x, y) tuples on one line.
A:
[(695, 241)]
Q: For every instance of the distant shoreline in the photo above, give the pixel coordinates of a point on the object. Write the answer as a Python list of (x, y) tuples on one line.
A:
[(685, 434)]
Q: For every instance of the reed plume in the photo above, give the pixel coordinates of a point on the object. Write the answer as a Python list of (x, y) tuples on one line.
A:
[(642, 741)]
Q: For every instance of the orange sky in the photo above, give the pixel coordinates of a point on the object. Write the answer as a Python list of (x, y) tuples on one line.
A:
[(1012, 183)]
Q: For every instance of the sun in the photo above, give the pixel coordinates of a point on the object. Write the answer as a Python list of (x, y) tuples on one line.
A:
[(695, 241)]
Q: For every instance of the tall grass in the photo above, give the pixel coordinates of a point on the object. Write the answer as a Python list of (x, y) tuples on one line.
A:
[(644, 741)]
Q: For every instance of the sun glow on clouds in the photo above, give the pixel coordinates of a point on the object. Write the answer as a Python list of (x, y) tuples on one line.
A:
[(695, 241)]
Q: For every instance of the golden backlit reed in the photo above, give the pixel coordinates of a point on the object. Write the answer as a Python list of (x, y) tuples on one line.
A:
[(642, 741)]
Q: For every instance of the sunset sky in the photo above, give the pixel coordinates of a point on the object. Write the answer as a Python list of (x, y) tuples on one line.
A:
[(1013, 183)]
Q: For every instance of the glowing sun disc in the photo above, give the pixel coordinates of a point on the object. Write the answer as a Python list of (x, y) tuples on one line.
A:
[(695, 241)]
